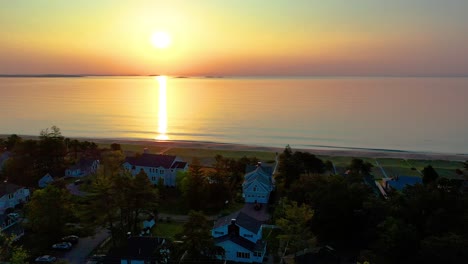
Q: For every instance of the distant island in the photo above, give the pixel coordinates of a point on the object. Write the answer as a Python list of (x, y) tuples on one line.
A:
[(41, 75)]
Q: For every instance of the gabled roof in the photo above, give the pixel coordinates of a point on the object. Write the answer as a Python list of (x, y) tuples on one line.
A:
[(82, 164), (245, 243), (242, 219), (179, 165), (7, 188), (258, 175), (266, 168), (152, 160), (403, 181)]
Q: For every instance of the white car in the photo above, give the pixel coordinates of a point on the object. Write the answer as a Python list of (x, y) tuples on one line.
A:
[(46, 259), (62, 245)]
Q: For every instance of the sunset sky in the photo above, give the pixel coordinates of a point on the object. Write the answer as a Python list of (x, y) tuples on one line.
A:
[(255, 37)]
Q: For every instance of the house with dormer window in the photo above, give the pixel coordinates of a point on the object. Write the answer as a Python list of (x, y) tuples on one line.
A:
[(240, 235), (11, 195), (258, 184), (157, 167)]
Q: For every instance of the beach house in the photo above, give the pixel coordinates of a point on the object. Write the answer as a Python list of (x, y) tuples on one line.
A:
[(240, 235), (258, 184), (11, 195), (45, 180), (82, 168), (157, 167)]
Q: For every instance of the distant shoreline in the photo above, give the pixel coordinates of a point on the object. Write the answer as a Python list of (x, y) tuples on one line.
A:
[(318, 150)]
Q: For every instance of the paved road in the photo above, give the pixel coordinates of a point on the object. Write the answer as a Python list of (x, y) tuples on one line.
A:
[(80, 251)]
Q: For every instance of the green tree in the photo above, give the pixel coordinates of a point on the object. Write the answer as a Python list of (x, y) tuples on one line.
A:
[(48, 212), (444, 248), (358, 166), (101, 206), (194, 186), (288, 168), (9, 253), (295, 225), (197, 238), (429, 175), (12, 140), (52, 151)]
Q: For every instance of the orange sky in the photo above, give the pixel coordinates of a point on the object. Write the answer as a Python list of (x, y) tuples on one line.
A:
[(360, 37)]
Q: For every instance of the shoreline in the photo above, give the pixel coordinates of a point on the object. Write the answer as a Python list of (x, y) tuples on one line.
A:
[(318, 150)]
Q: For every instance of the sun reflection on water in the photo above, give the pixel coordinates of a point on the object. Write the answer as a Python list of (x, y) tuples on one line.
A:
[(162, 111)]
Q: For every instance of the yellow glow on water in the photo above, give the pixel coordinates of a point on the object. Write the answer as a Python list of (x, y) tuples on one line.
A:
[(162, 113)]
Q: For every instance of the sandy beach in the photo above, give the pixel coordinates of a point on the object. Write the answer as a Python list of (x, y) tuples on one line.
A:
[(324, 152)]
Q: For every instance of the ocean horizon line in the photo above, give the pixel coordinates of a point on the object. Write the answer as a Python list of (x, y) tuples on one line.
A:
[(220, 76)]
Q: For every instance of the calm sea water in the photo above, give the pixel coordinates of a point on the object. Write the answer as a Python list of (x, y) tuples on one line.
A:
[(417, 114)]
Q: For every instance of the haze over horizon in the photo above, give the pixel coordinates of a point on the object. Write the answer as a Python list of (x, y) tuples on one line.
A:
[(269, 38)]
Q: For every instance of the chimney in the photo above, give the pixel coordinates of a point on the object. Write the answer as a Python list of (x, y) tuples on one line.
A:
[(259, 164), (233, 221)]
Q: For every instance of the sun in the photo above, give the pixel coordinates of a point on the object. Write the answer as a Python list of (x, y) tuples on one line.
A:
[(160, 40)]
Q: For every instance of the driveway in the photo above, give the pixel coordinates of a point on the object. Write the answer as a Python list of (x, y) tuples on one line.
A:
[(80, 251)]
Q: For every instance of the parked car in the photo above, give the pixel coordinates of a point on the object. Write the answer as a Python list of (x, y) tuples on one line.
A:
[(13, 215), (72, 239), (96, 259), (62, 246), (78, 182), (46, 259)]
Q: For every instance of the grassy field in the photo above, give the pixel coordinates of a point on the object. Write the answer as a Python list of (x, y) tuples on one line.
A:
[(398, 167), (206, 156), (443, 167), (167, 230), (137, 148)]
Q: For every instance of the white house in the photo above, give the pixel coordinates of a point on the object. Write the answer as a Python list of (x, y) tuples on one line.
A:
[(157, 167), (84, 167), (45, 180), (10, 226), (11, 195), (258, 184), (240, 235)]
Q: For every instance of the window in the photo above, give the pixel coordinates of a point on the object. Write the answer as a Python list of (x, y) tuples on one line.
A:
[(247, 235), (161, 171), (10, 196), (219, 233), (153, 178), (243, 255), (257, 254)]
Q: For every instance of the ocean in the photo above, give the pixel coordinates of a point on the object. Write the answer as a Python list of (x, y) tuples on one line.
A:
[(403, 114)]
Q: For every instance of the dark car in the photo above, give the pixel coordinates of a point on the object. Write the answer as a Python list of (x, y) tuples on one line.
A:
[(71, 239), (45, 259), (62, 246)]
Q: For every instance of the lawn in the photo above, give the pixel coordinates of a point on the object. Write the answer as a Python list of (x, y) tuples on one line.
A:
[(137, 148), (206, 156), (167, 230), (443, 167)]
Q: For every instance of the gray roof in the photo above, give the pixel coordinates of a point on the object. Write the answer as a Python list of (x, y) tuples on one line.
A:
[(261, 175), (152, 160), (242, 219), (7, 188), (82, 164)]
